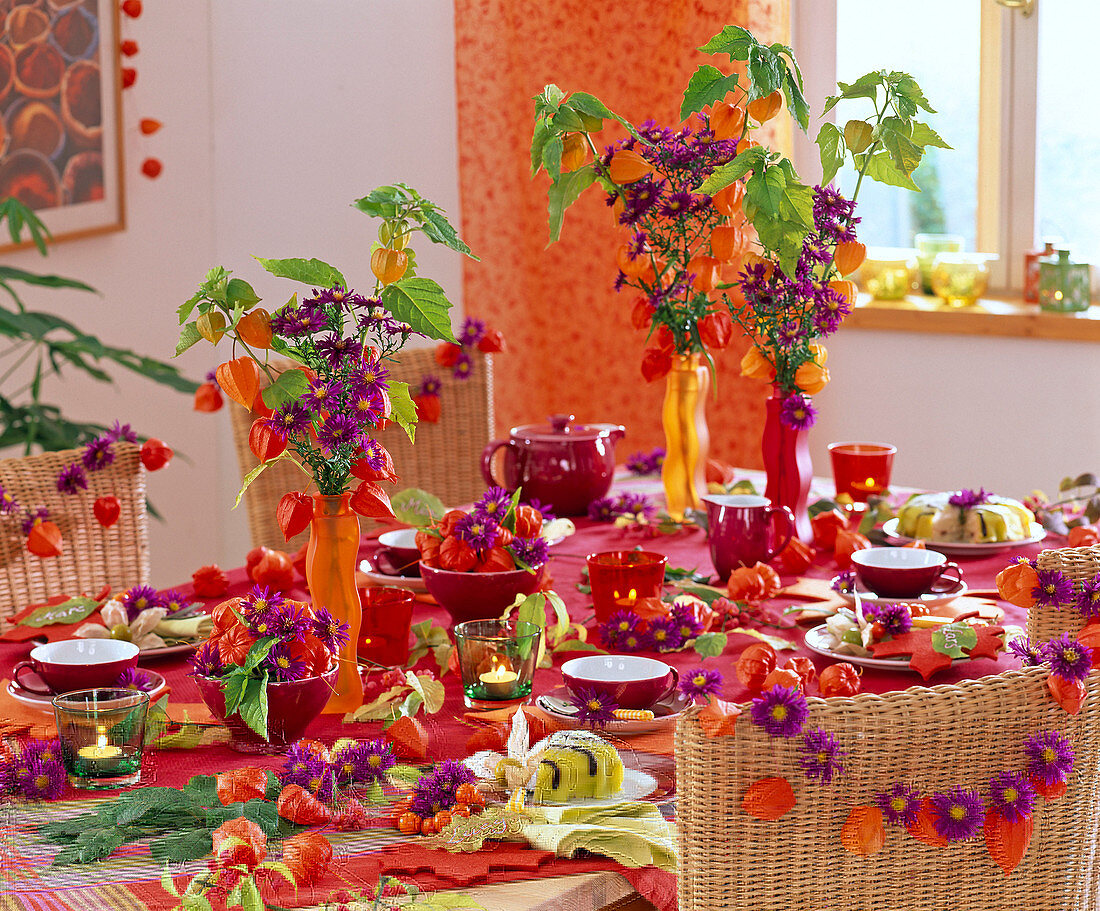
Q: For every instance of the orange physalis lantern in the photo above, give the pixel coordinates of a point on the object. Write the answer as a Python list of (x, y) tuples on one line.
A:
[(754, 664), (849, 256), (1017, 582), (656, 363), (240, 380), (756, 366), (863, 832), (131, 8), (209, 581), (149, 126), (241, 785), (44, 540), (107, 510), (155, 454), (1007, 842), (265, 443), (388, 265), (129, 47), (726, 242), (297, 805), (726, 120), (307, 856), (718, 718), (728, 200), (627, 166), (208, 398), (129, 76), (768, 798), (371, 501), (254, 328), (764, 109), (239, 843)]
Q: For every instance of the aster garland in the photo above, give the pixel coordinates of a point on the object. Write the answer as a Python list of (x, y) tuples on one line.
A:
[(626, 631), (636, 508), (900, 805), (436, 790), (643, 463), (701, 681), (1068, 658), (34, 771), (820, 756), (957, 814), (330, 774)]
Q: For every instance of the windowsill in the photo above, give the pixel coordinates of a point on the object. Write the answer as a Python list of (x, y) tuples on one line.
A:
[(996, 316)]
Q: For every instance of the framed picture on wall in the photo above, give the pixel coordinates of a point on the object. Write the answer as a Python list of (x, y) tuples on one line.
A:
[(60, 128)]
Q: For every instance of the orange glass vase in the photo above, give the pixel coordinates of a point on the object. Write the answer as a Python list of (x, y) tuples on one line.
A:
[(687, 438), (330, 573)]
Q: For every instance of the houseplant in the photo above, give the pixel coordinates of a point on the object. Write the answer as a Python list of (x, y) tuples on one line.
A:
[(706, 194), (321, 411)]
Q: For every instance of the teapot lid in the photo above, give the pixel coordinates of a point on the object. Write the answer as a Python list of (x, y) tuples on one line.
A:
[(561, 428)]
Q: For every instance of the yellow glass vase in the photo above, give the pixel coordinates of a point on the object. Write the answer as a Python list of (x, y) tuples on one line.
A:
[(330, 573), (687, 439)]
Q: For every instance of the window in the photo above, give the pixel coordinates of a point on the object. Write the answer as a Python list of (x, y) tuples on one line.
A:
[(1008, 90)]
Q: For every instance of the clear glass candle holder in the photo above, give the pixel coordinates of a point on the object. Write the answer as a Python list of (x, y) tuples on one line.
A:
[(102, 734), (960, 279), (497, 660), (889, 273), (928, 246)]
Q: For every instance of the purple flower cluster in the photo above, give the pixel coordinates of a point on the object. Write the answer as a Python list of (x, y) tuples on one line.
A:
[(780, 711), (820, 756), (140, 598), (594, 708), (1068, 658), (798, 411), (96, 455), (1050, 757), (900, 805), (895, 619), (436, 789), (361, 762), (1088, 601), (35, 772), (529, 552), (430, 384), (642, 463), (844, 582), (968, 499), (625, 631), (634, 506), (701, 682)]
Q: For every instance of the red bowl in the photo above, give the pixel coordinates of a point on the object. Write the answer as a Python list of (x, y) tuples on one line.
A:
[(291, 707), (477, 596)]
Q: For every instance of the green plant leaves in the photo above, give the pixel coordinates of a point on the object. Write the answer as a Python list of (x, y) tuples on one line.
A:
[(288, 386), (733, 41), (711, 645), (438, 230), (312, 272), (564, 192), (190, 844), (830, 143), (707, 85), (421, 303), (253, 707), (417, 507), (749, 160), (403, 408)]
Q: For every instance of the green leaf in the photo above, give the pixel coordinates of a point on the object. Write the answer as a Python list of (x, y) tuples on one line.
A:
[(148, 802), (733, 41), (881, 167), (166, 882), (906, 87), (238, 292), (765, 70), (551, 157), (190, 844), (403, 409), (438, 230), (428, 689), (312, 272), (564, 192), (253, 707), (263, 813), (383, 202), (541, 135), (904, 154), (548, 100), (233, 687), (830, 142), (189, 335), (417, 507), (711, 645), (704, 593), (576, 645), (260, 469), (923, 135), (707, 85), (92, 845), (421, 303), (259, 650), (72, 611), (203, 788), (561, 613), (954, 639), (288, 386), (250, 896), (749, 160)]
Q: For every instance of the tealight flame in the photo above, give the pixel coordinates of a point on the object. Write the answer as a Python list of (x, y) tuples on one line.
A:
[(501, 671)]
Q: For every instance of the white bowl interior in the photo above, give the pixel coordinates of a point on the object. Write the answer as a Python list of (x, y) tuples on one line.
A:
[(898, 557), (84, 651), (737, 500), (401, 537), (615, 668)]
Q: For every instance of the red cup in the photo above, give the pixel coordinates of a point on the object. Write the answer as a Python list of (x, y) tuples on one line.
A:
[(632, 681), (398, 555), (905, 572), (75, 664), (861, 469), (387, 620), (618, 578), (744, 530)]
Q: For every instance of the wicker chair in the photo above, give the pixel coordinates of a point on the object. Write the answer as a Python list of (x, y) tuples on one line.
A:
[(931, 737), (445, 461), (93, 556), (1080, 564)]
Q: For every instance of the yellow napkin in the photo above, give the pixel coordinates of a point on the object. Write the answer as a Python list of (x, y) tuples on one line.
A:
[(632, 832), (197, 627)]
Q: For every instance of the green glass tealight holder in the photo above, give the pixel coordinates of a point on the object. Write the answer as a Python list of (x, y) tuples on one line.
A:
[(1064, 285), (102, 734), (496, 659)]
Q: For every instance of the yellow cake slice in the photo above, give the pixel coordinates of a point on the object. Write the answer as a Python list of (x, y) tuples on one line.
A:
[(577, 765)]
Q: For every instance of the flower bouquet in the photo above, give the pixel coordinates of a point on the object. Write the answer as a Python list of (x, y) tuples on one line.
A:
[(271, 662), (704, 196), (320, 405)]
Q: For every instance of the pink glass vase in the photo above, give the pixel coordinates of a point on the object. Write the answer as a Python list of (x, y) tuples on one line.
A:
[(786, 453)]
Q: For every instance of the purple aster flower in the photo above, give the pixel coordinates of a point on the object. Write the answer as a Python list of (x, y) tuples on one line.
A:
[(617, 626), (602, 509), (260, 609), (701, 681), (435, 790), (1068, 658), (664, 633), (364, 762), (289, 623), (292, 322), (282, 665), (72, 479), (1053, 589), (686, 624), (798, 412), (336, 349), (463, 366), (781, 711), (820, 756), (335, 296), (340, 429), (895, 619), (207, 662), (479, 531), (1011, 795), (300, 765), (493, 503), (332, 632), (121, 432), (291, 419), (542, 509), (635, 506), (1050, 757), (676, 204), (1029, 655), (33, 517), (8, 504), (594, 709), (139, 598), (900, 805), (845, 582), (635, 641), (472, 331), (212, 377), (174, 601), (322, 395), (97, 454), (957, 814), (532, 551), (968, 499), (133, 679), (374, 376), (44, 750), (1088, 602), (430, 384), (42, 779)]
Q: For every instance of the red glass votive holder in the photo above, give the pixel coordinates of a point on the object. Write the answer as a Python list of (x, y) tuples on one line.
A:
[(619, 578), (387, 621), (862, 470)]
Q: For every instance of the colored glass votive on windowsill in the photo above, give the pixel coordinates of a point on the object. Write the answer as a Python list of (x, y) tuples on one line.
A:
[(620, 578), (862, 470)]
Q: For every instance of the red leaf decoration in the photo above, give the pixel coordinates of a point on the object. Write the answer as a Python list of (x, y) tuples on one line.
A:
[(129, 47), (768, 798), (863, 832), (129, 76), (925, 659), (294, 513), (298, 805), (107, 510), (371, 501), (149, 126), (923, 829), (1069, 694), (131, 8), (44, 540), (1007, 842)]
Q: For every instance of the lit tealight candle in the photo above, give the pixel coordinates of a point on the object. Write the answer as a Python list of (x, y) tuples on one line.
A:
[(629, 600), (500, 682), (101, 749)]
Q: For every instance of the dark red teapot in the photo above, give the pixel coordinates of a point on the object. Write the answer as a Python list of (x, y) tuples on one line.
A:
[(562, 464)]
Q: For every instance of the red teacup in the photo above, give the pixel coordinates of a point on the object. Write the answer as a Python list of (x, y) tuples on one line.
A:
[(905, 572), (76, 664), (387, 618), (398, 555), (632, 681), (745, 530)]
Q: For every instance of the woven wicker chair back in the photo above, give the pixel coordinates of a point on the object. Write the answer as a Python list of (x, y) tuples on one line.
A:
[(92, 556), (932, 738), (445, 461), (1079, 564)]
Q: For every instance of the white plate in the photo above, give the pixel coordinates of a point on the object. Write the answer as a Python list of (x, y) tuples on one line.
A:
[(964, 548), (637, 785), (818, 639), (666, 714), (411, 583), (45, 703), (168, 651), (929, 599)]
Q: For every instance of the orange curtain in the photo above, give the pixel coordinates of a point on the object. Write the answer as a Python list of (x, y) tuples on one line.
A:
[(571, 348)]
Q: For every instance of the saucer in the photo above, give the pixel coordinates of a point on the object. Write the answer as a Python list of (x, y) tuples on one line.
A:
[(412, 583), (155, 687), (929, 599), (666, 713)]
